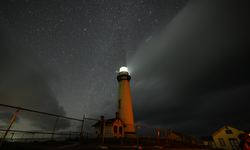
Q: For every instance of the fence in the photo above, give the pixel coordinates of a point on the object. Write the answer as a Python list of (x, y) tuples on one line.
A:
[(19, 125), (112, 133)]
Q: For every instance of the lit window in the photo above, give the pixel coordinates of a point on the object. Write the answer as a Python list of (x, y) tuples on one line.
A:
[(115, 129), (222, 143)]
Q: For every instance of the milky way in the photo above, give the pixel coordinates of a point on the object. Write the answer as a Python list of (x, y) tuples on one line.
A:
[(85, 42)]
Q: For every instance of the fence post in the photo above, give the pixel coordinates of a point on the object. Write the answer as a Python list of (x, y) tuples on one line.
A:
[(53, 131), (166, 137), (122, 135), (103, 132), (137, 135), (158, 133), (171, 133), (9, 126), (81, 131), (22, 136), (197, 141), (33, 137), (11, 139)]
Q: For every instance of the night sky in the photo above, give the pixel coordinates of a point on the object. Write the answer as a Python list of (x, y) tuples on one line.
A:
[(189, 60)]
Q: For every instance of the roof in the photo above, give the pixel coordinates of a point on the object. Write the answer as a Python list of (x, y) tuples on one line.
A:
[(222, 128), (108, 121)]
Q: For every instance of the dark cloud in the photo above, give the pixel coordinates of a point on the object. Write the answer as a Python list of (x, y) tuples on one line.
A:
[(191, 78), (24, 80), (195, 73)]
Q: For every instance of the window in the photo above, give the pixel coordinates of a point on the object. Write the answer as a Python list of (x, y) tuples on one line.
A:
[(229, 131), (222, 143), (234, 143), (119, 104), (120, 130), (115, 129)]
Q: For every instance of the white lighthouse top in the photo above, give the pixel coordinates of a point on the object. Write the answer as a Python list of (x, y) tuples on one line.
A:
[(123, 69)]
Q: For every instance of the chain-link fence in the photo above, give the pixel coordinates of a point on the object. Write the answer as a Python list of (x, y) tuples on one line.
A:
[(30, 127), (19, 125), (112, 133)]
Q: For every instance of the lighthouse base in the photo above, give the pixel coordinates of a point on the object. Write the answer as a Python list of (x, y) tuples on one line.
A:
[(129, 134)]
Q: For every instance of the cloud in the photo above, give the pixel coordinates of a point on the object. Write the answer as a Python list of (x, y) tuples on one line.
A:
[(194, 74), (25, 80)]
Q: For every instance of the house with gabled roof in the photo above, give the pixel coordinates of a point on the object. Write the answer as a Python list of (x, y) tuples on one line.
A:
[(113, 128), (226, 137)]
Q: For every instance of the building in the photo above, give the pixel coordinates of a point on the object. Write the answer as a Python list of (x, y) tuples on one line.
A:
[(114, 128), (124, 104), (226, 137), (123, 124)]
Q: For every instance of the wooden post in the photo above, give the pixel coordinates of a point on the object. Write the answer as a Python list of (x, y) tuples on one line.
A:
[(197, 141), (171, 135), (166, 133), (53, 132), (9, 126), (81, 132), (158, 134), (137, 135), (103, 132), (122, 135)]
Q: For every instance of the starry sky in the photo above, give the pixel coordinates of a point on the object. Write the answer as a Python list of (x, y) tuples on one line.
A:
[(188, 60)]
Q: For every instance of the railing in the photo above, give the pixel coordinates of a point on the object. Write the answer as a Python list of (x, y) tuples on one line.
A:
[(20, 125)]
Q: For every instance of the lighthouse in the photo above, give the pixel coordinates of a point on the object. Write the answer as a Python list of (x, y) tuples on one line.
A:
[(124, 106)]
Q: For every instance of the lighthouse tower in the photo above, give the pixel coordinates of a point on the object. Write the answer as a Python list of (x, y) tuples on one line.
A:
[(124, 102)]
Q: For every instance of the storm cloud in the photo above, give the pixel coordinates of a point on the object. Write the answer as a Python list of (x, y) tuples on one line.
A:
[(195, 73), (25, 81)]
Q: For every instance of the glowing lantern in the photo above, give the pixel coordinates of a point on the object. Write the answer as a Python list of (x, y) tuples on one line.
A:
[(123, 69)]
